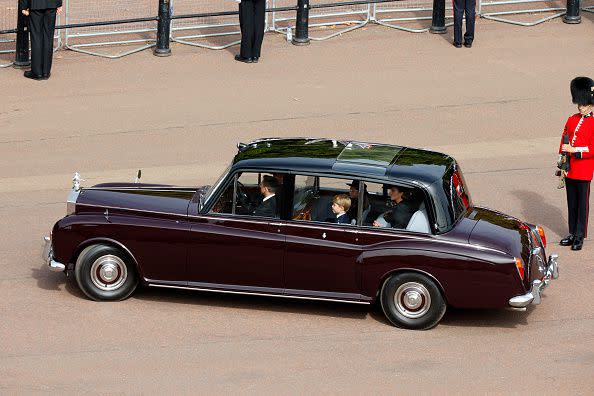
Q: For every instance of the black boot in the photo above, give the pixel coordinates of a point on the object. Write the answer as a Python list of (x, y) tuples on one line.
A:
[(567, 241), (577, 243)]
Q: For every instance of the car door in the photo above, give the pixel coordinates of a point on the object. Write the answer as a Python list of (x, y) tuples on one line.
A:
[(230, 247), (321, 258)]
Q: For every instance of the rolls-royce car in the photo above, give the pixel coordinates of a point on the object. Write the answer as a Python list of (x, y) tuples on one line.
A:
[(305, 218)]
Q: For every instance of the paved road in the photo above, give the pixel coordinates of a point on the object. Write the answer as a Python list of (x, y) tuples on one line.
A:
[(498, 108)]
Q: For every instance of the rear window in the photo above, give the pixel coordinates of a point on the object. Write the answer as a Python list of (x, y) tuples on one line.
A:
[(452, 198)]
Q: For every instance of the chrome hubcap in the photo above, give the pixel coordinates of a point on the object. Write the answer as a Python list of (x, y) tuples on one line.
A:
[(412, 300), (109, 272)]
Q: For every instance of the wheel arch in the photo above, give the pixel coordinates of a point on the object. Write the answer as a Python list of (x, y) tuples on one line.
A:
[(401, 270), (108, 242)]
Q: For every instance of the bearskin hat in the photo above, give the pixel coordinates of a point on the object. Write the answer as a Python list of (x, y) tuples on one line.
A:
[(581, 91)]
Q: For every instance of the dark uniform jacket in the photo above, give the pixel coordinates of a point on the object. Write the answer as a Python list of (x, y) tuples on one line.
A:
[(39, 4), (266, 208)]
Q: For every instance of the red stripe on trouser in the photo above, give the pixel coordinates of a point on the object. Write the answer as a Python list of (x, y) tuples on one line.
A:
[(587, 210)]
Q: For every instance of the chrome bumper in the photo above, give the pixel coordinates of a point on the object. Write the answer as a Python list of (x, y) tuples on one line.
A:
[(48, 256), (533, 297)]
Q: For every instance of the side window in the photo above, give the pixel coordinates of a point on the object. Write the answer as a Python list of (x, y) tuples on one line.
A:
[(394, 206), (322, 199), (251, 194)]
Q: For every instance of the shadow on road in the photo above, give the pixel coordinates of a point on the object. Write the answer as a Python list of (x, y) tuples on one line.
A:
[(53, 281), (535, 207), (485, 318), (454, 317)]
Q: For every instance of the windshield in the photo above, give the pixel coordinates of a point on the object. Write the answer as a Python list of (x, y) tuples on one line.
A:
[(216, 185)]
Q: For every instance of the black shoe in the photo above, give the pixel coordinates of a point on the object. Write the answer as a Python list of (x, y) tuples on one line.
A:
[(577, 243), (255, 59), (468, 44), (457, 45), (240, 58), (46, 76), (29, 74), (567, 241)]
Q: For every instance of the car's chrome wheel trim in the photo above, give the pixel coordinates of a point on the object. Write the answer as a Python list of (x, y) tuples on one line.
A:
[(109, 272), (412, 300)]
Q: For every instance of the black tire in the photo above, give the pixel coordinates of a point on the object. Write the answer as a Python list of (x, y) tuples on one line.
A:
[(420, 303), (104, 273)]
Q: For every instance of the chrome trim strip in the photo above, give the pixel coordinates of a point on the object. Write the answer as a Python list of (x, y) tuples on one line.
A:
[(434, 237), (181, 189), (259, 294), (255, 219), (133, 210)]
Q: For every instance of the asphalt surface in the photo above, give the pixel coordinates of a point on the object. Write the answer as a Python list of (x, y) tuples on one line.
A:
[(499, 108)]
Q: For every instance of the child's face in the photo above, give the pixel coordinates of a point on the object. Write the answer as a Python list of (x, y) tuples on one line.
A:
[(336, 208)]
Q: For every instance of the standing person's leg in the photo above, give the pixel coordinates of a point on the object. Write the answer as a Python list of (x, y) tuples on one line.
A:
[(458, 14), (49, 26), (247, 28), (582, 190), (571, 191), (470, 11), (259, 26), (36, 33)]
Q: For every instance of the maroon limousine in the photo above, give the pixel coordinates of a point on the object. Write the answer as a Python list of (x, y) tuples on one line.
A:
[(314, 219)]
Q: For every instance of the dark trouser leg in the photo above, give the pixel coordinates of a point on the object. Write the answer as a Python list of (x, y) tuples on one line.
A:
[(571, 192), (470, 18), (582, 192), (49, 26), (246, 11), (458, 14), (259, 25), (578, 195), (36, 33)]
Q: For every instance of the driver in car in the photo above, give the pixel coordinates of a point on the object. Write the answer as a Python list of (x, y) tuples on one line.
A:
[(268, 188)]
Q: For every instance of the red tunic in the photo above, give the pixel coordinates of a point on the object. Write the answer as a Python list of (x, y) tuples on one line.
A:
[(581, 165)]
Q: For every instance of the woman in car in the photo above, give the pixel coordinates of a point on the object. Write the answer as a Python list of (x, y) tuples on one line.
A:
[(401, 210)]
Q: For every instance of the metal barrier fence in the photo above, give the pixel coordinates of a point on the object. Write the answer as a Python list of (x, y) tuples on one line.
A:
[(405, 12), (217, 27), (8, 17), (140, 35), (215, 30), (351, 16), (503, 8)]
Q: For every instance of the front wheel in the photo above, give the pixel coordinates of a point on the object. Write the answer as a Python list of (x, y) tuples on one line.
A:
[(412, 301), (105, 273)]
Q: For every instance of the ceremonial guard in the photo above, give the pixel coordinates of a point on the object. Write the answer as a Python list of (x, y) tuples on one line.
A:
[(577, 147)]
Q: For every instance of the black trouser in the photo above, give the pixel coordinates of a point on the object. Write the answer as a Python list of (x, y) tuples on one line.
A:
[(252, 17), (578, 195), (42, 24), (462, 7)]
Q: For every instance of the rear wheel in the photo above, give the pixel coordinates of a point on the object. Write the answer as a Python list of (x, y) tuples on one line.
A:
[(105, 273), (412, 301)]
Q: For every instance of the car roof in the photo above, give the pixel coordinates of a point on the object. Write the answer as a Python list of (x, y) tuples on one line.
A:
[(348, 158)]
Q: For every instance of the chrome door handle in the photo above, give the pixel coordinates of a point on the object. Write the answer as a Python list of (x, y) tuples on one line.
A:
[(276, 224)]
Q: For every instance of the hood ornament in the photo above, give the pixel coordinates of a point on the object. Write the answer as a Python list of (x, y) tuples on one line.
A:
[(138, 175), (76, 181)]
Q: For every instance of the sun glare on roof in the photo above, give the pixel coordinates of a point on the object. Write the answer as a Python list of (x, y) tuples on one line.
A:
[(369, 154)]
